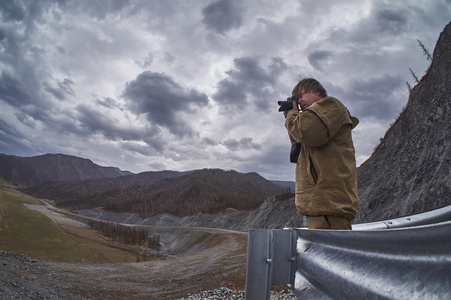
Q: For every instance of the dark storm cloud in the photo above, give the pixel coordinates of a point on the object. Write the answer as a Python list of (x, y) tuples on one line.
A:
[(21, 79), (24, 93), (98, 9), (231, 93), (390, 21), (249, 84), (376, 97), (12, 10), (25, 119), (242, 144), (222, 15), (12, 140), (249, 69), (316, 57), (6, 130), (62, 90), (14, 91), (94, 121), (163, 101), (152, 147), (382, 23), (209, 141), (107, 102)]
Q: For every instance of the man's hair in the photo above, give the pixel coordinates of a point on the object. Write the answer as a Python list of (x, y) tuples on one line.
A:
[(309, 85)]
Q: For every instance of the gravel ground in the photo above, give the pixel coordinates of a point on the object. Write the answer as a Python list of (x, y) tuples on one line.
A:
[(18, 278), (26, 278), (226, 294), (216, 271)]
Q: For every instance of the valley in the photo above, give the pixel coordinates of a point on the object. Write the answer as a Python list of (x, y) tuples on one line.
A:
[(215, 258)]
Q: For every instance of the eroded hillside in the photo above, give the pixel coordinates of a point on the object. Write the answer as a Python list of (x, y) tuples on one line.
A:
[(409, 172)]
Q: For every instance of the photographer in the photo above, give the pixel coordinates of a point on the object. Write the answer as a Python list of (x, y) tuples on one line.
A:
[(326, 179)]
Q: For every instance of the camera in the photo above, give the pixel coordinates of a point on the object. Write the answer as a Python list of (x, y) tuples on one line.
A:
[(287, 105)]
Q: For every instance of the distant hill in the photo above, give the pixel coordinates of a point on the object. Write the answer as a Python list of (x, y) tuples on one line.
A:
[(28, 171), (77, 183), (285, 184), (151, 193)]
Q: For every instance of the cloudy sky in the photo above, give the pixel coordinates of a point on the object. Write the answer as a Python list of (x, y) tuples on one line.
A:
[(151, 85)]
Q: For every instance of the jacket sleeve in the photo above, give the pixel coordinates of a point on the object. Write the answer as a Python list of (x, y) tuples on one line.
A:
[(306, 127), (333, 114)]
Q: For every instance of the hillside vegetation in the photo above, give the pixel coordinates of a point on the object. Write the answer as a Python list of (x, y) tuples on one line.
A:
[(30, 233), (34, 234), (180, 194)]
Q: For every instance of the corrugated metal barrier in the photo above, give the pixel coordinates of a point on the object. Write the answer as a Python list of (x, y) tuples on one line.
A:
[(405, 258)]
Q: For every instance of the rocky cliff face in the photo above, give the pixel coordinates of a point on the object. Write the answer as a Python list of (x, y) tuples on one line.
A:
[(409, 172)]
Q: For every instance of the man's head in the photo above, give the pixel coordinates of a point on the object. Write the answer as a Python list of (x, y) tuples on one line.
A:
[(308, 91), (309, 85)]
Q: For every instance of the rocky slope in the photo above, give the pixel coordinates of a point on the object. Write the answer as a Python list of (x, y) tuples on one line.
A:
[(270, 214), (409, 172)]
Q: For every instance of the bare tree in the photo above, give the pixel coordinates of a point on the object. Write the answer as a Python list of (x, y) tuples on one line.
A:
[(425, 51), (408, 86), (414, 76)]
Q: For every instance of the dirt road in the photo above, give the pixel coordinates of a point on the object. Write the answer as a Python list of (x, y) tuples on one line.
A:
[(220, 263), (56, 217)]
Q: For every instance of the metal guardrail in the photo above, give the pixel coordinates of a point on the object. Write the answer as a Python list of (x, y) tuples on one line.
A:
[(405, 258), (431, 217)]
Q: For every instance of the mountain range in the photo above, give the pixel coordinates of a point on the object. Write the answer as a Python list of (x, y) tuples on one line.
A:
[(76, 183)]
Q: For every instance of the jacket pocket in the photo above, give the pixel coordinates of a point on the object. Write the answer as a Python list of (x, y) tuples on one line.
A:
[(295, 150), (313, 173)]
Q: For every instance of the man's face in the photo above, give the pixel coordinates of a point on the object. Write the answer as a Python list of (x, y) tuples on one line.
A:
[(307, 99)]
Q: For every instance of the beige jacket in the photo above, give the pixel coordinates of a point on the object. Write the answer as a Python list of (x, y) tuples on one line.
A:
[(326, 179)]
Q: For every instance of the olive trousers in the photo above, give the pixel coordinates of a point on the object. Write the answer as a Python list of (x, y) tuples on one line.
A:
[(328, 222)]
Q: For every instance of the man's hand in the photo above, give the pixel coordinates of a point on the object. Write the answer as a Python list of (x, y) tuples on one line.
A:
[(295, 106)]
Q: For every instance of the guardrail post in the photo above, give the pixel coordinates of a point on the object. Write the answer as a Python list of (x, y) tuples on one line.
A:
[(259, 264), (271, 259)]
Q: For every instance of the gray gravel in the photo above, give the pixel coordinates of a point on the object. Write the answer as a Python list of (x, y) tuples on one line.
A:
[(18, 276), (229, 294), (22, 277)]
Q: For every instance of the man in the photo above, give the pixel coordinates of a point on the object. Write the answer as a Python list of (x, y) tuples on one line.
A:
[(326, 179)]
